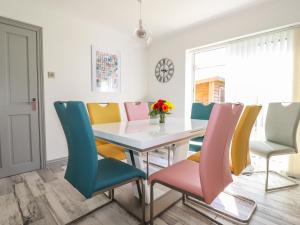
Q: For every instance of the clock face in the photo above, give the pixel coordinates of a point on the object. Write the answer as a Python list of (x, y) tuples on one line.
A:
[(164, 70)]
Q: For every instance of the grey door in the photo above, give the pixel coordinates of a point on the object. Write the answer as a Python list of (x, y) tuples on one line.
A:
[(19, 120)]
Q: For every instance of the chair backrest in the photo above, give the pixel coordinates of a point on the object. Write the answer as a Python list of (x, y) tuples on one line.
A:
[(201, 111), (137, 110), (82, 165), (104, 112), (214, 167), (282, 122), (150, 105), (240, 158)]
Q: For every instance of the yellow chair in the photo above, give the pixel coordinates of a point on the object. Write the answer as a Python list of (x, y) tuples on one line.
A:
[(106, 113), (240, 158)]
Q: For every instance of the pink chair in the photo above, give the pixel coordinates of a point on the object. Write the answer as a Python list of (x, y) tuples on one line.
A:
[(207, 179), (137, 110)]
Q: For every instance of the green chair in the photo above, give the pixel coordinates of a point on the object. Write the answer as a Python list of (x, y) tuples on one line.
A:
[(84, 171), (199, 112)]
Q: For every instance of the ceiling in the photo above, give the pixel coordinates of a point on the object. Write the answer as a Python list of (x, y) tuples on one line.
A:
[(160, 16)]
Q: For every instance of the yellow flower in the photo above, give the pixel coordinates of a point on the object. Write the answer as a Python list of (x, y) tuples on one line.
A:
[(169, 104)]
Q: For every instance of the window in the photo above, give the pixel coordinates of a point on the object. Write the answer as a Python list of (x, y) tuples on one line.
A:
[(209, 83), (255, 70)]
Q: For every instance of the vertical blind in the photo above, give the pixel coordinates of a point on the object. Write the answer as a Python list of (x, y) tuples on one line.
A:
[(256, 70), (260, 70)]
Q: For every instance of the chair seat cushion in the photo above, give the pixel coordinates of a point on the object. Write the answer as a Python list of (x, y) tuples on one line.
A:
[(267, 149), (111, 151), (195, 147), (101, 142), (183, 175), (196, 144), (195, 157), (112, 172), (198, 139)]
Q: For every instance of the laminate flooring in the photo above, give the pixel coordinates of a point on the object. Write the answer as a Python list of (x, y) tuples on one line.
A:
[(43, 197)]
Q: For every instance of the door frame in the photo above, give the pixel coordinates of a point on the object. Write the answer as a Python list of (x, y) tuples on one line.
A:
[(40, 78)]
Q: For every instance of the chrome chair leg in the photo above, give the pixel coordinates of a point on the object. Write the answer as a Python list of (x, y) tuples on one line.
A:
[(203, 214), (170, 149), (225, 214), (186, 197), (134, 165), (112, 194), (147, 165), (88, 213), (169, 160), (267, 189), (183, 199), (294, 183), (268, 172), (151, 205), (143, 222), (109, 194)]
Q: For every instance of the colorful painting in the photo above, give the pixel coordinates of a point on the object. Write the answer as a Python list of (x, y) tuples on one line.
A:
[(105, 70)]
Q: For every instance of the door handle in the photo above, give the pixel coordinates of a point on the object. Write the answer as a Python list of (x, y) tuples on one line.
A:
[(33, 104)]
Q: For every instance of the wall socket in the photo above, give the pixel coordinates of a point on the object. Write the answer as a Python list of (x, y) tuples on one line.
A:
[(51, 75)]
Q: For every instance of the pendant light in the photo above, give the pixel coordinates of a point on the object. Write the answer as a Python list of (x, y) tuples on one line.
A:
[(140, 31)]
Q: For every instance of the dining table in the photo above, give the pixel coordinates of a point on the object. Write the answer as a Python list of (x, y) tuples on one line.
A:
[(141, 137)]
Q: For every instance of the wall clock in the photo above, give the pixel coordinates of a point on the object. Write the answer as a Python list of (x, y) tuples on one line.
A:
[(164, 70)]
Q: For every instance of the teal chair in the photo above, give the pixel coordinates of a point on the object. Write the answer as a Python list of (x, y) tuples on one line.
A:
[(199, 112), (84, 171)]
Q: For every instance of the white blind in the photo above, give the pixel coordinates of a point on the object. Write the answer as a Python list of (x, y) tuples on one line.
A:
[(260, 70), (256, 70)]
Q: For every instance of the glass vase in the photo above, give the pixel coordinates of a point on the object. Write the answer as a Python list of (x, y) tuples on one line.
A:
[(162, 118)]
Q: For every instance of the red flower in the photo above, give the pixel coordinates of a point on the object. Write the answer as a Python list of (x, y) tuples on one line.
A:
[(159, 104), (165, 108), (156, 106)]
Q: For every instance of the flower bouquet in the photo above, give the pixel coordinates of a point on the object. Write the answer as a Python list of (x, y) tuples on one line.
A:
[(161, 108)]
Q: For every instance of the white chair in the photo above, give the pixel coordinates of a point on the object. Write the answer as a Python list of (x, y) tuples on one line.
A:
[(280, 131)]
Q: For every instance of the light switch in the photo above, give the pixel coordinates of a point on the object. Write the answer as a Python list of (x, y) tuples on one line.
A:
[(51, 75)]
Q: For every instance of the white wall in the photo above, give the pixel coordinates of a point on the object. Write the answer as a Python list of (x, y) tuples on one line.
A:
[(67, 51), (270, 15), (67, 42)]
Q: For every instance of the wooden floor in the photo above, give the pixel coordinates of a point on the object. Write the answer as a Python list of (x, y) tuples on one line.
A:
[(43, 197)]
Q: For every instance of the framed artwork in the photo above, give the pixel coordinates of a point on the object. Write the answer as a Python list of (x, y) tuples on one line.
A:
[(106, 65)]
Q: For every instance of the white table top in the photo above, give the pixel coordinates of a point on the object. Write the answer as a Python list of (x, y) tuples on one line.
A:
[(143, 135)]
